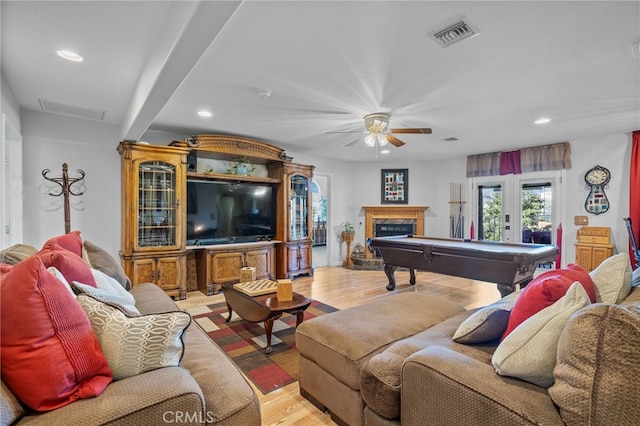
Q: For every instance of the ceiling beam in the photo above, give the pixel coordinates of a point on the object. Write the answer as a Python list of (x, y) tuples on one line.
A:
[(187, 31)]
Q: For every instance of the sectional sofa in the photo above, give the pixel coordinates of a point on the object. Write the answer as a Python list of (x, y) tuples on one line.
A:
[(565, 350), (105, 356)]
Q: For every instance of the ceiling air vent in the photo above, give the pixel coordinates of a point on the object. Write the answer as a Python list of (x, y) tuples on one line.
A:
[(58, 108), (454, 33)]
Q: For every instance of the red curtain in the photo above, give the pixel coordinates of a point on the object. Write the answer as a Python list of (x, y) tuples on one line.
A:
[(510, 163), (634, 192)]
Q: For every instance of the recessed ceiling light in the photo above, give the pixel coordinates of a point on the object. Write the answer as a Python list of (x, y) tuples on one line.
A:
[(264, 94), (204, 113), (70, 56), (384, 151), (543, 120)]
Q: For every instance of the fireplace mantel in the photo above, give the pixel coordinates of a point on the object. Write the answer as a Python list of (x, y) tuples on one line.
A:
[(373, 213)]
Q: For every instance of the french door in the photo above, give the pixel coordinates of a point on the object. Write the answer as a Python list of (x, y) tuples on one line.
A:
[(525, 208)]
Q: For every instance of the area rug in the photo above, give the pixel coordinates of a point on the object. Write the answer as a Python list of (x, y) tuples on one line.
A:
[(245, 341)]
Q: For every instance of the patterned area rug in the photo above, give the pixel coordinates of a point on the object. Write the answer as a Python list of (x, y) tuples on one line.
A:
[(245, 341)]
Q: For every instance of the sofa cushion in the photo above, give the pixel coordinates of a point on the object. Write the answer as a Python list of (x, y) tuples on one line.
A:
[(98, 258), (612, 279), (341, 342), (43, 326), (598, 366), (381, 377), (487, 323), (133, 345), (10, 408), (71, 241), (544, 290), (107, 283), (529, 352), (16, 253), (71, 265)]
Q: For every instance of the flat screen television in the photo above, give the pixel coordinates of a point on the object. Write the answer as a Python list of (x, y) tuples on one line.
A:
[(220, 212)]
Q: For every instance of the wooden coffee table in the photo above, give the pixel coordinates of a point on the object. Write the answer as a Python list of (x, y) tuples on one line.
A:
[(265, 308)]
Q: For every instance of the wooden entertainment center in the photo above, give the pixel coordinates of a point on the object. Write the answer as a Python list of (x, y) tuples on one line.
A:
[(154, 213)]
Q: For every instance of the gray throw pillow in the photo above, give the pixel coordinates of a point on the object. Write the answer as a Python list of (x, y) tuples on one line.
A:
[(98, 258)]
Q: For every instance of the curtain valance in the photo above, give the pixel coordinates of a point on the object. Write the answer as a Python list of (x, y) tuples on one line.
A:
[(534, 159)]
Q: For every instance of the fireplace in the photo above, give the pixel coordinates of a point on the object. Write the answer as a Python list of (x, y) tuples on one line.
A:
[(381, 221)]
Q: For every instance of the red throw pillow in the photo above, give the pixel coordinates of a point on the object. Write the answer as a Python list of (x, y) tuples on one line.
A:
[(545, 290), (70, 241), (71, 266), (50, 354)]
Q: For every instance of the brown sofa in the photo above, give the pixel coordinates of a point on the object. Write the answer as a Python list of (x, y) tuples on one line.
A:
[(393, 361), (206, 388)]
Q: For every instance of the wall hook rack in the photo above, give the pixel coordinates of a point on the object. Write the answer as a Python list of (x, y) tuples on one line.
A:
[(65, 190)]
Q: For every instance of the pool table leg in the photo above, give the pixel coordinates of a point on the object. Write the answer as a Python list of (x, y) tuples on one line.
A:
[(389, 270), (505, 290)]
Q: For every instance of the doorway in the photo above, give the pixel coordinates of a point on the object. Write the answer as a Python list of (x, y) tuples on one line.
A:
[(320, 230), (525, 208)]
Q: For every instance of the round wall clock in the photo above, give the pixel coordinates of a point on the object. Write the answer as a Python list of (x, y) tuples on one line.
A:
[(597, 178)]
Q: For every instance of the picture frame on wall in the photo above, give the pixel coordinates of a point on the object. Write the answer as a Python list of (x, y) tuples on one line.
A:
[(395, 186)]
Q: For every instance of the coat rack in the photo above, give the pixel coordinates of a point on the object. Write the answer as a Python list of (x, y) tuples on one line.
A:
[(65, 184)]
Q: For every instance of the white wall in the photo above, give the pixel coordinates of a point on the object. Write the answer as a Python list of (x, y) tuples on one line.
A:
[(9, 104), (614, 153), (51, 140)]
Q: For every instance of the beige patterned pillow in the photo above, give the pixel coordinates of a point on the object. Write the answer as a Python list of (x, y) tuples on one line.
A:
[(612, 279), (529, 351), (133, 345)]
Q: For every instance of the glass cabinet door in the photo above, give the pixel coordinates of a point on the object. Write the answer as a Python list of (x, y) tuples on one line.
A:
[(299, 208), (157, 209)]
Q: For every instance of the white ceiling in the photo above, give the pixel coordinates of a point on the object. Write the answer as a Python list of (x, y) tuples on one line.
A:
[(152, 65)]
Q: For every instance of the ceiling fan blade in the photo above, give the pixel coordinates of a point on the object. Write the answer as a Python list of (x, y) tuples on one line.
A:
[(423, 130), (394, 141), (354, 142)]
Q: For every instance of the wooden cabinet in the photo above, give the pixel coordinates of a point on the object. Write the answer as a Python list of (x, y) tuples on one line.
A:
[(593, 246), (167, 272), (298, 259), (221, 264), (153, 187), (293, 227)]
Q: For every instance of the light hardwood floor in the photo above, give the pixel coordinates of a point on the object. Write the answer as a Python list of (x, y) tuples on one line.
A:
[(344, 288)]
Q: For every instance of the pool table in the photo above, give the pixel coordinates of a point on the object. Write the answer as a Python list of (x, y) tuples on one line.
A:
[(506, 264)]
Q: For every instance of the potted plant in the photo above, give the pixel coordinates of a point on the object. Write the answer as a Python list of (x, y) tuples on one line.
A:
[(242, 166), (348, 233)]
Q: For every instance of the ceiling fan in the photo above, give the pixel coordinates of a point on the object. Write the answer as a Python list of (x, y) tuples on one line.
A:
[(378, 131)]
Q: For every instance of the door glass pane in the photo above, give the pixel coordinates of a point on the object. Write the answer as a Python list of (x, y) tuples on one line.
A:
[(490, 212), (299, 207), (156, 204), (536, 204)]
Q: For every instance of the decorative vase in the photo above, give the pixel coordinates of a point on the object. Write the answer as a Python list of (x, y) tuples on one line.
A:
[(241, 169), (348, 238)]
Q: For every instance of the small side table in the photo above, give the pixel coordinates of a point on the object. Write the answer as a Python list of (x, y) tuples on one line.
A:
[(265, 308)]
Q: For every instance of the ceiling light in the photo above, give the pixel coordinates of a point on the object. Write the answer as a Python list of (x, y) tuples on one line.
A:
[(370, 140), (204, 113), (543, 120), (264, 94), (69, 55), (382, 140), (385, 151)]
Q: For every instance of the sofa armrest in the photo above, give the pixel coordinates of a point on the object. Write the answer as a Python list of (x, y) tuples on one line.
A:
[(443, 387), (165, 395)]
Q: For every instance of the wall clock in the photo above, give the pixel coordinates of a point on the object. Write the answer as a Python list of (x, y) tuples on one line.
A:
[(597, 178)]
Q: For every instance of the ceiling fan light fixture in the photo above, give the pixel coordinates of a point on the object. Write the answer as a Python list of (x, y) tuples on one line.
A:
[(382, 140), (370, 140)]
